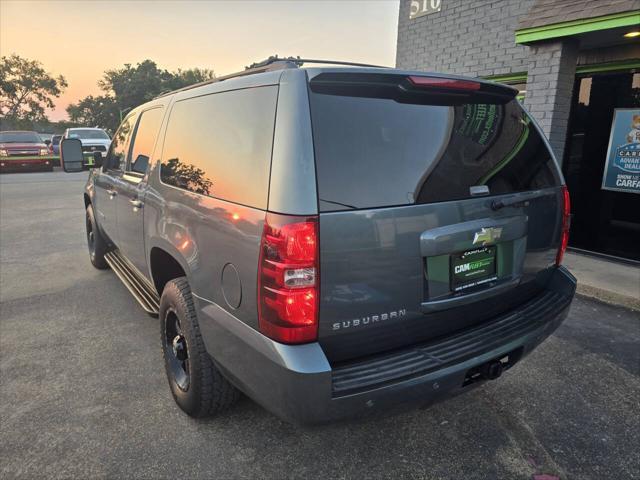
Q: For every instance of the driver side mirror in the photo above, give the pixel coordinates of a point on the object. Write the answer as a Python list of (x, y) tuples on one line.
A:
[(71, 156), (47, 142)]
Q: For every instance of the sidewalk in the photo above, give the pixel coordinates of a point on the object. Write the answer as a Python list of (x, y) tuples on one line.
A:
[(608, 281)]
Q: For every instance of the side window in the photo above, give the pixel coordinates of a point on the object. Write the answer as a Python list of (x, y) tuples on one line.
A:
[(117, 155), (220, 145), (144, 140)]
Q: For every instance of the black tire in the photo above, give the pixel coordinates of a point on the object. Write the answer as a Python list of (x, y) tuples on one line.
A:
[(198, 387), (97, 244)]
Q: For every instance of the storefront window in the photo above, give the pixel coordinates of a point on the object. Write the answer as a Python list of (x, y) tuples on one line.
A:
[(603, 221)]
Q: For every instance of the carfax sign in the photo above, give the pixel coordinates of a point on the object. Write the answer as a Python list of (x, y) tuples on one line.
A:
[(622, 170)]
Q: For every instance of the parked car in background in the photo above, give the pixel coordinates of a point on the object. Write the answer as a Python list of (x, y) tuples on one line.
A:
[(93, 139), (22, 150), (54, 147), (45, 137)]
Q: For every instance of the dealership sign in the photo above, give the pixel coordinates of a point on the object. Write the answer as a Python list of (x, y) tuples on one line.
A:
[(622, 170), (420, 8)]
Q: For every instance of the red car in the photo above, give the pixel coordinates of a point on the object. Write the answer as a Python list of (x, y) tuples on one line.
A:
[(24, 151)]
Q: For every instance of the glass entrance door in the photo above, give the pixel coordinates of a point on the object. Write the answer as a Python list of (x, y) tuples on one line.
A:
[(603, 221)]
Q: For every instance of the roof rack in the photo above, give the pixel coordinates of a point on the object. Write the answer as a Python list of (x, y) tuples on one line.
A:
[(271, 64), (301, 61)]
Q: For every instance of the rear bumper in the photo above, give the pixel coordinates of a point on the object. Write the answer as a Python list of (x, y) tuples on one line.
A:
[(298, 384)]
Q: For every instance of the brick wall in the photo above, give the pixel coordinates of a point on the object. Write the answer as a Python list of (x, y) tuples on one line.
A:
[(467, 37), (551, 74)]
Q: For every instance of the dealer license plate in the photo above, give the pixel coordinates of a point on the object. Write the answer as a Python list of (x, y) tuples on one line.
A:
[(473, 268)]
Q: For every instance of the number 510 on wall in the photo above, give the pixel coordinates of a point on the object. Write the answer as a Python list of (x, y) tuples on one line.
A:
[(424, 7)]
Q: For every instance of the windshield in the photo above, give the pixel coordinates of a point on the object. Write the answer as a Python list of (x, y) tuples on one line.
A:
[(376, 152), (19, 137), (88, 134)]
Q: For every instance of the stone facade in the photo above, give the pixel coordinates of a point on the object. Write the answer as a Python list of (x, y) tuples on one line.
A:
[(550, 80), (477, 38), (467, 37)]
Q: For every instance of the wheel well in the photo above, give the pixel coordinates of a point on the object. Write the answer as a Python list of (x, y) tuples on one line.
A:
[(163, 268)]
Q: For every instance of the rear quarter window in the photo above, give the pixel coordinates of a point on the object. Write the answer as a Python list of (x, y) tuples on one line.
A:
[(374, 152), (220, 145)]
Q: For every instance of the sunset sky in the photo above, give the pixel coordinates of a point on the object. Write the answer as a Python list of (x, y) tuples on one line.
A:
[(81, 39)]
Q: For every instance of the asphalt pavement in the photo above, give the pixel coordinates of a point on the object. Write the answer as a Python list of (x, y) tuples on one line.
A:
[(83, 392)]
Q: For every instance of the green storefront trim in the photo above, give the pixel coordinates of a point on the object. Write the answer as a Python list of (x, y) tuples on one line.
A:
[(608, 67), (576, 27), (519, 77), (512, 78)]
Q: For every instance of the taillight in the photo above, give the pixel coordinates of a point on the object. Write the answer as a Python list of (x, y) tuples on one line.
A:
[(566, 224), (288, 283), (445, 83)]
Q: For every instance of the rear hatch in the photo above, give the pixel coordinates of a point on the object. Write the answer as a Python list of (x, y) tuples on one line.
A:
[(440, 207)]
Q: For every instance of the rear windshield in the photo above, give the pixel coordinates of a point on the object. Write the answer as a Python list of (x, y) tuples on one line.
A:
[(373, 152), (88, 134), (19, 137)]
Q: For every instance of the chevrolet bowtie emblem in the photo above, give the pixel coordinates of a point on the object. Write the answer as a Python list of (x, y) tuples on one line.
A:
[(487, 235)]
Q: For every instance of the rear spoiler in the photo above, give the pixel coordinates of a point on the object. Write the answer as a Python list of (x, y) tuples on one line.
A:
[(415, 89)]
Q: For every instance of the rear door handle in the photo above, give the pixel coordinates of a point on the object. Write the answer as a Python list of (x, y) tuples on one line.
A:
[(136, 203)]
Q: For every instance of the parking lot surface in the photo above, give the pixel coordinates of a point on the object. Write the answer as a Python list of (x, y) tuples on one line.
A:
[(83, 392)]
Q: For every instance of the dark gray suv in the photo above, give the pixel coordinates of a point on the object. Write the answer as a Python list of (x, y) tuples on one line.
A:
[(333, 241)]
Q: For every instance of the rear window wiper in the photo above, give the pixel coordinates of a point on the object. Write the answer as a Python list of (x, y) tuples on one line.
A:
[(518, 200), (338, 203)]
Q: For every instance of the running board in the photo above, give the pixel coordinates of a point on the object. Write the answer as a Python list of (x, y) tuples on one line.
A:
[(141, 289)]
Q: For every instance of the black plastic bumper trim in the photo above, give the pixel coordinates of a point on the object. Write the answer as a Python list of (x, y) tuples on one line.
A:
[(421, 359)]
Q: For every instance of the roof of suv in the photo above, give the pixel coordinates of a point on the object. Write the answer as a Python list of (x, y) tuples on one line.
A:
[(270, 71), (270, 64)]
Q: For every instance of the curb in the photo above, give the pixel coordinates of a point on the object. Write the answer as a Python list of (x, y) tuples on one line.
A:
[(607, 296)]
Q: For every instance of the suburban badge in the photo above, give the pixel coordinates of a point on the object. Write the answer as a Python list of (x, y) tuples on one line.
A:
[(370, 319)]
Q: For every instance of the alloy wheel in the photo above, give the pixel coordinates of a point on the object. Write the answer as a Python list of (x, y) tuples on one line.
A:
[(176, 351)]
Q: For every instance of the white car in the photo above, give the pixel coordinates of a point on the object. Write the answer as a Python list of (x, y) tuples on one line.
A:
[(93, 139)]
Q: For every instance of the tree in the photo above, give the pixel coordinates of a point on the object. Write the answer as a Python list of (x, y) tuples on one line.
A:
[(186, 176), (185, 78), (26, 89), (132, 86), (93, 111), (126, 88)]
